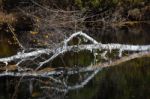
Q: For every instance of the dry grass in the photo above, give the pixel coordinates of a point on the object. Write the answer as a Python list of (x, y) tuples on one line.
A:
[(7, 18)]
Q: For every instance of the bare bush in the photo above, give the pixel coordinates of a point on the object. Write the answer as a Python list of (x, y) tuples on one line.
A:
[(51, 25)]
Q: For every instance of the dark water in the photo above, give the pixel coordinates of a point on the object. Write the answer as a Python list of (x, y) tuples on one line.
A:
[(135, 34), (7, 48), (129, 80)]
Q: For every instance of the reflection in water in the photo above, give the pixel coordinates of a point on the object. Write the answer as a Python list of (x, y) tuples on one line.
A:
[(129, 80), (24, 89)]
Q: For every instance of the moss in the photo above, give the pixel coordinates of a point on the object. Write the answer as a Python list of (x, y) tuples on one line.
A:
[(96, 3), (79, 3)]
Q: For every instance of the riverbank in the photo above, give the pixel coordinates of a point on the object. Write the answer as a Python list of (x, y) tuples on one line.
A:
[(41, 22)]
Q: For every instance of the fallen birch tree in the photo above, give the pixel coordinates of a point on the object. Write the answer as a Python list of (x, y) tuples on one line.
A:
[(52, 73)]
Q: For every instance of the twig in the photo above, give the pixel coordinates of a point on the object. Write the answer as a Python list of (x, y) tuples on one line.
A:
[(15, 37)]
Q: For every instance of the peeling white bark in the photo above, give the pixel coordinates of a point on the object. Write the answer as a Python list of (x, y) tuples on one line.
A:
[(61, 50), (25, 55), (80, 34)]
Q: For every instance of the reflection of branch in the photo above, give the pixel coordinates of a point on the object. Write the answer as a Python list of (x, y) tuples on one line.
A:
[(95, 70), (52, 73), (74, 87), (17, 88), (84, 82)]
